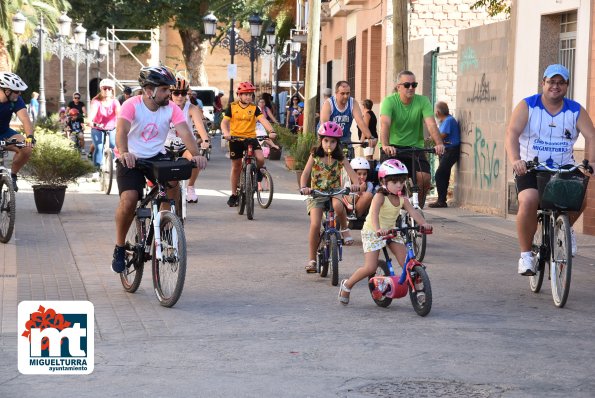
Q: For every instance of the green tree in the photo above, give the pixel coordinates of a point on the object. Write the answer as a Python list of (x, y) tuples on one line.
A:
[(186, 16), (493, 7), (9, 44)]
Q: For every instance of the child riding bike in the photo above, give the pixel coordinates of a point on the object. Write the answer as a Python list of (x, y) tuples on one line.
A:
[(239, 120), (324, 167), (383, 214), (360, 201), (74, 128)]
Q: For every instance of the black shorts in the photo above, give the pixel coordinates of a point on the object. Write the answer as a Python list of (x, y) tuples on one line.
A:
[(421, 163), (236, 148), (134, 179)]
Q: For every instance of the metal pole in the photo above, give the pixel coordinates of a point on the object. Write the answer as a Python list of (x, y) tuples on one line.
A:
[(87, 75), (252, 42), (61, 97), (277, 87), (76, 74), (42, 111), (232, 53)]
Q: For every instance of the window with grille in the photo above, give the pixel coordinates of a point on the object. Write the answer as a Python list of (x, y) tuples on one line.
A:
[(567, 46), (351, 65)]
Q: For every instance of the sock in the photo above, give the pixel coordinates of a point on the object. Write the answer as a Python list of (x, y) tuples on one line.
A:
[(526, 255)]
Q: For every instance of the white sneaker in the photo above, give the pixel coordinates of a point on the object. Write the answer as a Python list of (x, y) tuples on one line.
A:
[(573, 245), (527, 266), (191, 196)]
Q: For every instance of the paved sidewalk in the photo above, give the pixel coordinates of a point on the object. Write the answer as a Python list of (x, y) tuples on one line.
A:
[(251, 323)]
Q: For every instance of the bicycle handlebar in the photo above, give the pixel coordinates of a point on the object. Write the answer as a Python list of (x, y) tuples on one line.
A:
[(363, 144), (535, 164), (395, 231), (14, 142), (326, 194), (414, 150)]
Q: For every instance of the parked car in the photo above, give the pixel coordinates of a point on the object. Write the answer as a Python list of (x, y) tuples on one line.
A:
[(207, 96)]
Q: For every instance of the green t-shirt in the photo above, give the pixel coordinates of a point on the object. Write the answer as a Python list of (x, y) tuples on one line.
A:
[(407, 121)]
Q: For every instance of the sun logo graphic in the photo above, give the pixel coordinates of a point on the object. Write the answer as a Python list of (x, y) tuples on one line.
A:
[(56, 337)]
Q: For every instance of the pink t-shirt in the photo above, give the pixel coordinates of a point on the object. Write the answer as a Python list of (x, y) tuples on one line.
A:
[(148, 129), (106, 114)]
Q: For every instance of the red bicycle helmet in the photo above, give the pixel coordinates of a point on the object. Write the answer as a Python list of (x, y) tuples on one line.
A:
[(330, 129), (391, 167), (73, 112), (246, 87)]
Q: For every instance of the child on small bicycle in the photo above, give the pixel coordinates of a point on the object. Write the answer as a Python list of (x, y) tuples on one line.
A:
[(383, 214), (239, 121), (74, 127), (324, 168), (362, 200)]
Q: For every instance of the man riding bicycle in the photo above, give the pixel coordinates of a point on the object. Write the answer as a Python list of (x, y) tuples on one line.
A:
[(141, 130), (239, 120), (402, 116), (545, 126), (11, 87)]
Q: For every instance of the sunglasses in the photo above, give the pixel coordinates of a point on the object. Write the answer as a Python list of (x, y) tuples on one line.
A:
[(106, 88), (408, 85), (77, 97), (179, 92)]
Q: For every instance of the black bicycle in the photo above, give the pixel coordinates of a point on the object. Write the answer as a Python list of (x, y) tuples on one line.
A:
[(561, 190), (7, 194), (158, 235), (419, 239)]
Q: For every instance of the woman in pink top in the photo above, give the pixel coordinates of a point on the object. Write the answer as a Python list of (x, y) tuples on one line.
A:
[(104, 111)]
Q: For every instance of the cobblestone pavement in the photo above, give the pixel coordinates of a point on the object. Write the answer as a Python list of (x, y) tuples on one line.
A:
[(252, 323)]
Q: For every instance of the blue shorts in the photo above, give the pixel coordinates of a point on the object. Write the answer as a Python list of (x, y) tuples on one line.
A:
[(7, 134)]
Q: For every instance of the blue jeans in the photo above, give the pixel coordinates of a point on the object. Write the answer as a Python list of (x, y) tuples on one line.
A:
[(97, 137)]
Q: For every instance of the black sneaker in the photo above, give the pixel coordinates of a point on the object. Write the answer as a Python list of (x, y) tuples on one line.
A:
[(14, 181), (232, 201), (119, 261)]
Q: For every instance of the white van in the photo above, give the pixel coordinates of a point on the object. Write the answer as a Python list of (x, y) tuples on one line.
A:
[(207, 96)]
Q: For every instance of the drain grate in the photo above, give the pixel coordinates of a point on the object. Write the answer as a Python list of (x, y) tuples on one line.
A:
[(426, 388)]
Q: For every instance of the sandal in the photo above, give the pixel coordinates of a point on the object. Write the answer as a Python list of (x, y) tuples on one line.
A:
[(311, 267), (347, 240), (342, 288)]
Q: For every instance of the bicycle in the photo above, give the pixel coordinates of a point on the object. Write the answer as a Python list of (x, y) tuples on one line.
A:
[(385, 286), (560, 191), (419, 239), (107, 166), (158, 235), (330, 242), (7, 194)]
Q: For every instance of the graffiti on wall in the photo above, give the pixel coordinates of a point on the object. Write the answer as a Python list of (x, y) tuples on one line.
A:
[(468, 60), (487, 167), (465, 119), (481, 91)]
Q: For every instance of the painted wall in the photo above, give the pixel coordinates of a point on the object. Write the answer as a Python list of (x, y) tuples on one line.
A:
[(483, 111)]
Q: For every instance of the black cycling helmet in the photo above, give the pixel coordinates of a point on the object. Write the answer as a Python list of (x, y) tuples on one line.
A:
[(156, 76)]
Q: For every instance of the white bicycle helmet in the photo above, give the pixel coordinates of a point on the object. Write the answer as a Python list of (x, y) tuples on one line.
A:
[(107, 83), (359, 164), (391, 167), (12, 81)]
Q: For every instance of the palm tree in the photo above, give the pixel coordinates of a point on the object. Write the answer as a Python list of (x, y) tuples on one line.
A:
[(31, 9)]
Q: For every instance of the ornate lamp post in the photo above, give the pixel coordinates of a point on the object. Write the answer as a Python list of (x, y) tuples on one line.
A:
[(92, 47), (80, 34), (64, 31)]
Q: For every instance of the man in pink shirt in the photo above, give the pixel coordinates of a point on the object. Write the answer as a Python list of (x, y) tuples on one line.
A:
[(141, 131)]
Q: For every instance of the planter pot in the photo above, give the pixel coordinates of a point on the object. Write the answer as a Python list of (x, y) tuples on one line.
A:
[(48, 199), (290, 162)]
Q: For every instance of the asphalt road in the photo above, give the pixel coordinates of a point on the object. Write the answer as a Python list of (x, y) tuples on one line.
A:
[(252, 323)]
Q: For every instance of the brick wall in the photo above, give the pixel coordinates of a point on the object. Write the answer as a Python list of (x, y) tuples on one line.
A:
[(482, 111), (589, 213)]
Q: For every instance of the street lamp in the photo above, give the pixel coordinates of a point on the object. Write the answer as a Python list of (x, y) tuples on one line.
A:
[(80, 34), (92, 46), (234, 42), (64, 31)]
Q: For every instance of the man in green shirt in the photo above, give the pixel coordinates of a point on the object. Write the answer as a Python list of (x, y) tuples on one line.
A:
[(402, 116)]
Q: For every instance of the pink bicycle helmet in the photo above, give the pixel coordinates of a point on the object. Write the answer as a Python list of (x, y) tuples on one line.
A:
[(330, 129), (391, 167)]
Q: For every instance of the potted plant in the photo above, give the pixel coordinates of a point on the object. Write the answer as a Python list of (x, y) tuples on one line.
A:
[(300, 150), (287, 140), (54, 164)]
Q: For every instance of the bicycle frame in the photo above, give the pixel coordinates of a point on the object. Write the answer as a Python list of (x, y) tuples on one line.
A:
[(329, 227)]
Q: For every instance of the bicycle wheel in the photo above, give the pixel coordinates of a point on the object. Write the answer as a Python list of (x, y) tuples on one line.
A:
[(7, 208), (264, 193), (421, 298), (322, 256), (334, 259), (135, 261), (381, 270), (107, 171), (242, 193), (418, 239), (169, 271), (250, 179), (561, 264), (539, 253)]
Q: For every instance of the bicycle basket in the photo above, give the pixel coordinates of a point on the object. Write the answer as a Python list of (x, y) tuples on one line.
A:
[(561, 191), (168, 170)]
